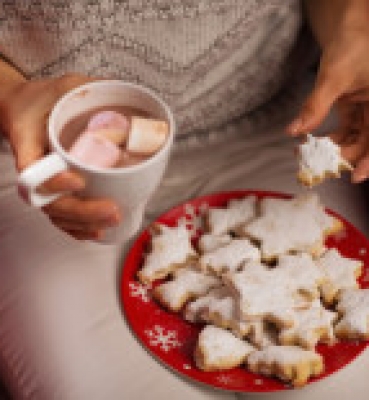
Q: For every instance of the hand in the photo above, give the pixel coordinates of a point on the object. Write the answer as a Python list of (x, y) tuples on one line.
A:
[(23, 118), (343, 80)]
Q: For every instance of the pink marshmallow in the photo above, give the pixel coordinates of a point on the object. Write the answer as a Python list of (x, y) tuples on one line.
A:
[(108, 120), (95, 150)]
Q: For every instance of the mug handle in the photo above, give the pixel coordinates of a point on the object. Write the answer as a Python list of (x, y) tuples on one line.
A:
[(35, 175)]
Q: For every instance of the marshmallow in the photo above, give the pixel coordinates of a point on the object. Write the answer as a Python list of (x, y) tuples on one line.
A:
[(95, 150), (114, 126), (99, 144), (146, 136)]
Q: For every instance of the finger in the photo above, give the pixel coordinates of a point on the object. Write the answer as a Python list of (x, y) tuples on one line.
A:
[(67, 224), (89, 211), (354, 148), (70, 81), (29, 143), (327, 90), (361, 171), (358, 96), (344, 137), (350, 114), (365, 108), (63, 182), (84, 235)]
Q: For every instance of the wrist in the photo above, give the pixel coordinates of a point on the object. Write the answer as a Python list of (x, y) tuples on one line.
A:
[(353, 24), (10, 79)]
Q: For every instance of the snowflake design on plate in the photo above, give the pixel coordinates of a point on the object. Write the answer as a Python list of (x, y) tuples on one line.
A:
[(225, 379), (258, 382), (193, 219), (362, 251), (139, 291), (186, 366), (164, 339)]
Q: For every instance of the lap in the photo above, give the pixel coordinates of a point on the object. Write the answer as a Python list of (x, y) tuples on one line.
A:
[(62, 333), (266, 162), (69, 338)]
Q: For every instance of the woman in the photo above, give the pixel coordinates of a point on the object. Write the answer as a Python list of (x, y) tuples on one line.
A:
[(233, 73)]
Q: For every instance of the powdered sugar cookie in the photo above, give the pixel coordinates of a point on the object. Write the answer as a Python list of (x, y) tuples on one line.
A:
[(353, 305), (209, 242), (297, 225), (229, 257), (262, 334), (303, 270), (269, 294), (171, 248), (237, 213), (311, 326), (188, 283), (194, 311), (218, 349), (218, 308), (289, 363), (222, 312), (320, 158), (341, 273)]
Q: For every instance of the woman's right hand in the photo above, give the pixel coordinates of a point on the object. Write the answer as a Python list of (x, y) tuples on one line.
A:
[(23, 119)]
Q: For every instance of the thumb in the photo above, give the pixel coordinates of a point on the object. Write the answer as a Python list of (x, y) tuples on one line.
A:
[(328, 88), (29, 144)]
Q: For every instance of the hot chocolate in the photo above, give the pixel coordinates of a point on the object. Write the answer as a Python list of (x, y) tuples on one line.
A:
[(113, 136)]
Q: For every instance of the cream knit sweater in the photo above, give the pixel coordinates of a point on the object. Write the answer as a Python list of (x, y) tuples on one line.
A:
[(215, 61)]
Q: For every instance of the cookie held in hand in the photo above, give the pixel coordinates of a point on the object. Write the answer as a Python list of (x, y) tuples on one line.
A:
[(320, 158)]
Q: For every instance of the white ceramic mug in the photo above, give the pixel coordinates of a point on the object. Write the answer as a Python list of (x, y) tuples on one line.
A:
[(130, 187)]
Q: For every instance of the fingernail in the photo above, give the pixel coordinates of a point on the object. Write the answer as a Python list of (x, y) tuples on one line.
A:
[(113, 220), (295, 126), (77, 184), (99, 234), (110, 215), (359, 178)]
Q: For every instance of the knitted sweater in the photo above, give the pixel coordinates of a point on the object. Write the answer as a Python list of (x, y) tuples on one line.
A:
[(214, 61)]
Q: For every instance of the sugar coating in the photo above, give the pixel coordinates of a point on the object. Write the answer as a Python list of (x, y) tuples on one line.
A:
[(260, 334), (209, 242), (353, 305), (341, 273), (222, 312), (311, 326), (303, 270), (269, 306), (187, 284), (270, 294), (219, 349), (171, 248), (194, 311), (229, 257), (320, 158), (289, 363), (218, 308), (297, 225), (237, 213)]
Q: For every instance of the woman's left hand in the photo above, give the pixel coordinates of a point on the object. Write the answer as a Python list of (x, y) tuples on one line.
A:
[(343, 81)]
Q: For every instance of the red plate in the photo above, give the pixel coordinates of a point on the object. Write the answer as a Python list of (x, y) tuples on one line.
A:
[(171, 339)]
